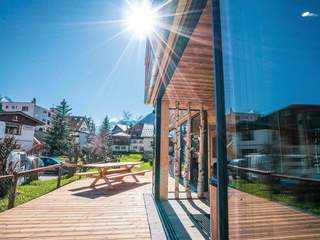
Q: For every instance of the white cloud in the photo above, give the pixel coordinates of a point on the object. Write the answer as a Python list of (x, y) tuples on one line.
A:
[(309, 14)]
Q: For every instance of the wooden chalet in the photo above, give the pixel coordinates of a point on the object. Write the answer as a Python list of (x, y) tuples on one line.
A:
[(184, 82)]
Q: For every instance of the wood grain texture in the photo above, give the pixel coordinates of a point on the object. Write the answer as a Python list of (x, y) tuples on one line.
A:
[(76, 211), (192, 80), (253, 217)]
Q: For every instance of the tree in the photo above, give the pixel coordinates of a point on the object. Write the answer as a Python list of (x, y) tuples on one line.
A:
[(91, 125), (105, 139), (6, 146), (59, 139)]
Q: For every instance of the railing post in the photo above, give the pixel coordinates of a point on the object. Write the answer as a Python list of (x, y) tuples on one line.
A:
[(59, 176), (12, 191)]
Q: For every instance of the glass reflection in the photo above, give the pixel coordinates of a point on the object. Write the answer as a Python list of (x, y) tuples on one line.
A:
[(271, 53)]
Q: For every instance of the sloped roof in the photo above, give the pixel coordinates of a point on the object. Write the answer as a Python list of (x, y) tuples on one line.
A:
[(121, 134), (34, 121), (76, 122), (147, 131), (136, 130), (148, 119), (123, 127), (5, 99)]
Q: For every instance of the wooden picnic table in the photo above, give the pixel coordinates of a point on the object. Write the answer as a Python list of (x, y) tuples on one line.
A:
[(110, 172)]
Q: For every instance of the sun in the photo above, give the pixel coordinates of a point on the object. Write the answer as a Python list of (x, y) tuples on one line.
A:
[(140, 19)]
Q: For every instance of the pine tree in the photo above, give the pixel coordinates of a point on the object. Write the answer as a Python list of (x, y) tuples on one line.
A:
[(59, 139), (106, 138), (91, 125)]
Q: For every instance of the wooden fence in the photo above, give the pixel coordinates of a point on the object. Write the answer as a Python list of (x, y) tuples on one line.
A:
[(13, 178)]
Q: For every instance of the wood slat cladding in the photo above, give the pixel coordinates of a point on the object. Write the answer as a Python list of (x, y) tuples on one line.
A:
[(193, 78)]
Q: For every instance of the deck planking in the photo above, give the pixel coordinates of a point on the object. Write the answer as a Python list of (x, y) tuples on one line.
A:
[(76, 211)]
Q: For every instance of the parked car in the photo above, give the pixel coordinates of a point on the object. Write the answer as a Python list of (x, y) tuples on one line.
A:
[(234, 173), (49, 161), (18, 161)]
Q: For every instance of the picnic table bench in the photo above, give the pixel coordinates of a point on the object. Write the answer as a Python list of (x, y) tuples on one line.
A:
[(112, 172)]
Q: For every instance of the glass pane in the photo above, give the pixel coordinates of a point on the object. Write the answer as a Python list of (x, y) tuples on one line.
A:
[(271, 53)]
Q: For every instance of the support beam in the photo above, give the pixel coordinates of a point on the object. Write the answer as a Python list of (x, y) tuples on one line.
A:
[(188, 156), (222, 168), (200, 187), (164, 150), (177, 152), (156, 162)]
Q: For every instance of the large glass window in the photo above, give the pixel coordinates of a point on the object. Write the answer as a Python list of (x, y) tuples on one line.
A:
[(271, 53)]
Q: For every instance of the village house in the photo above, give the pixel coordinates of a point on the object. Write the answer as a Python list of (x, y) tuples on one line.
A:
[(21, 126), (30, 108), (147, 135), (136, 141), (81, 129)]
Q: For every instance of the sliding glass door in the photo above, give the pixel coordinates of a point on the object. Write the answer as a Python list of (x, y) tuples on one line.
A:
[(271, 55)]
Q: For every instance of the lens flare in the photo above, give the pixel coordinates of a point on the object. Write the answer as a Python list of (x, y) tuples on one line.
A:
[(140, 19)]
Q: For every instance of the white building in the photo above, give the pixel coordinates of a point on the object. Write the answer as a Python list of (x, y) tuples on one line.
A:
[(136, 145), (120, 142), (32, 109), (148, 140), (80, 129), (19, 125)]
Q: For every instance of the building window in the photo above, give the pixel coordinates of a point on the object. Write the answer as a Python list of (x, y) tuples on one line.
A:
[(25, 109), (7, 106), (13, 129), (247, 135), (12, 107)]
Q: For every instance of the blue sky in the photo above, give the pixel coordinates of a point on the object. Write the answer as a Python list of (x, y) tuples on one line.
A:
[(62, 49), (271, 53)]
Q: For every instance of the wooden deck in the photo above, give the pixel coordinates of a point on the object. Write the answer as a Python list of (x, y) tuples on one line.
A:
[(78, 212), (189, 219), (252, 217)]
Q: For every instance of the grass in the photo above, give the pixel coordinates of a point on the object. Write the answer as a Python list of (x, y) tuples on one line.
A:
[(136, 157), (285, 198), (34, 189)]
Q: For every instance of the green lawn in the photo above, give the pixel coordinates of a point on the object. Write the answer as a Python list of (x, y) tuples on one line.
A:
[(135, 157), (284, 197), (34, 189)]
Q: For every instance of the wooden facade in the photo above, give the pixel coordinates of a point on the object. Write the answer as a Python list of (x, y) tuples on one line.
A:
[(185, 77), (186, 95)]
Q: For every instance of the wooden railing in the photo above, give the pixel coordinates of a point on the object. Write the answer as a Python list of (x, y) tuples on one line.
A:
[(13, 178), (274, 175)]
